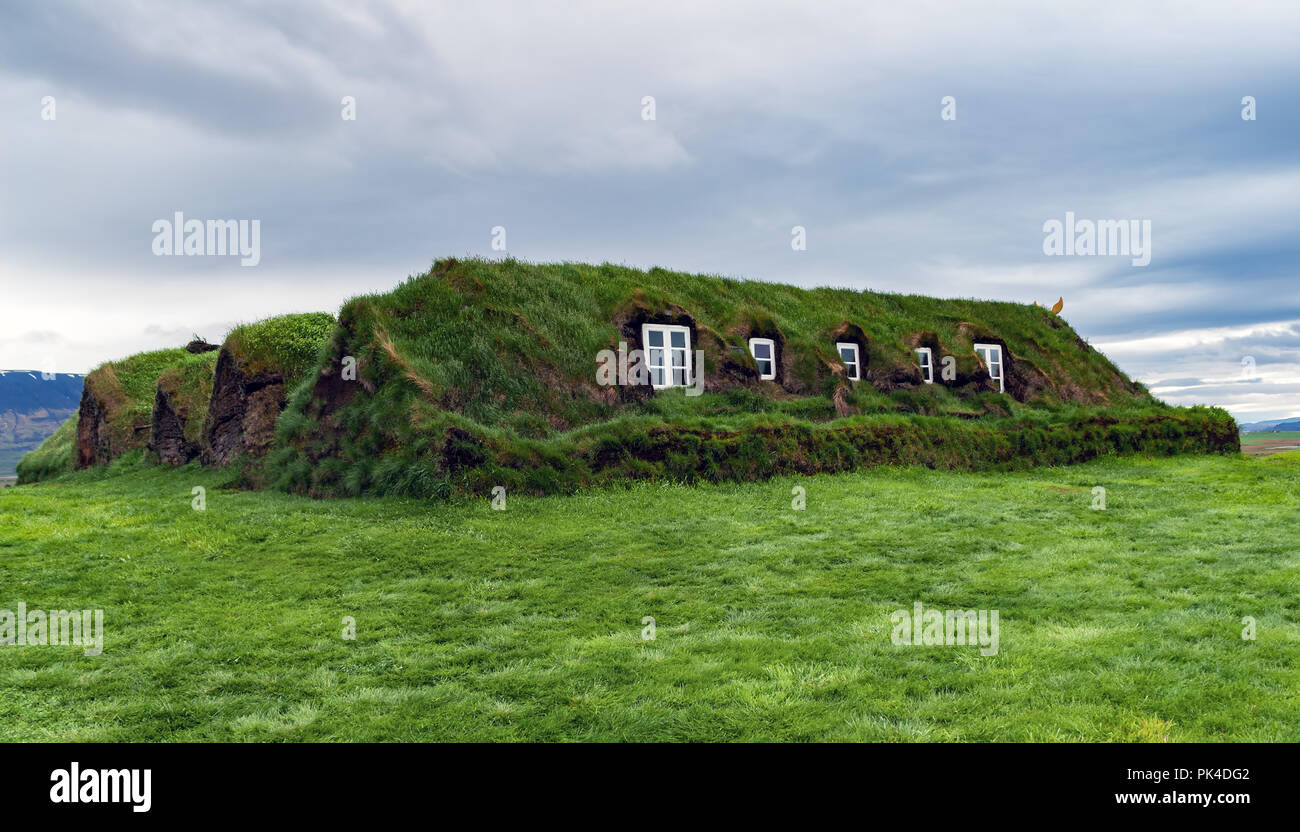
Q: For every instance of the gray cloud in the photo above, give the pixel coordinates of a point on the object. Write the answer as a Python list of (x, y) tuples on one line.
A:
[(768, 115)]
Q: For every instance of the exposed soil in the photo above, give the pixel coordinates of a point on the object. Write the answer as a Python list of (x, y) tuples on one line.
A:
[(167, 435), (94, 434), (104, 427), (198, 345), (1022, 379), (329, 393), (243, 412)]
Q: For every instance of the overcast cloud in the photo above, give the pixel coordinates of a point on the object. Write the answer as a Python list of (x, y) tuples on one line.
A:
[(768, 115)]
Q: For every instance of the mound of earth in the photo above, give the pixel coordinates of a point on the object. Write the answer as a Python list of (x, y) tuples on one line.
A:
[(256, 367), (180, 409), (243, 412), (504, 367), (116, 406)]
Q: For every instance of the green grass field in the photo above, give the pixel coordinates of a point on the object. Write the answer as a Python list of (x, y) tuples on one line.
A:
[(772, 624)]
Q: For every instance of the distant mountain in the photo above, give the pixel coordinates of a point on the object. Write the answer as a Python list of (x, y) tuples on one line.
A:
[(31, 408), (1289, 423)]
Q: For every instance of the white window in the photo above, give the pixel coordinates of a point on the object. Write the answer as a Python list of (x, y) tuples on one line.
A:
[(849, 355), (668, 354), (926, 360), (992, 355), (764, 352)]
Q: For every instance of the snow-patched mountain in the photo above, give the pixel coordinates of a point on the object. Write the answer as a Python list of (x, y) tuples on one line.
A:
[(32, 405), (1289, 423)]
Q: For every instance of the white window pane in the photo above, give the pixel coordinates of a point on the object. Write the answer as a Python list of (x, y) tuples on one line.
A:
[(657, 376), (656, 358), (678, 338), (656, 338)]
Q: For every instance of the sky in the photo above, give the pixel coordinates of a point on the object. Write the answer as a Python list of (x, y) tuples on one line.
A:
[(531, 117)]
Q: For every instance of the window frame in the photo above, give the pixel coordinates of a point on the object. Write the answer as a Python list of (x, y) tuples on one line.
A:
[(1001, 377), (668, 367), (771, 359), (857, 358), (927, 366)]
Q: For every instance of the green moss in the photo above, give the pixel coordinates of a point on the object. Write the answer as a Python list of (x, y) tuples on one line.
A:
[(287, 344), (190, 386), (493, 338), (483, 372), (126, 390)]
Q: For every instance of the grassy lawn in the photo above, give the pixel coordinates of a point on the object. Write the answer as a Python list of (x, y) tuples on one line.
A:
[(474, 624)]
